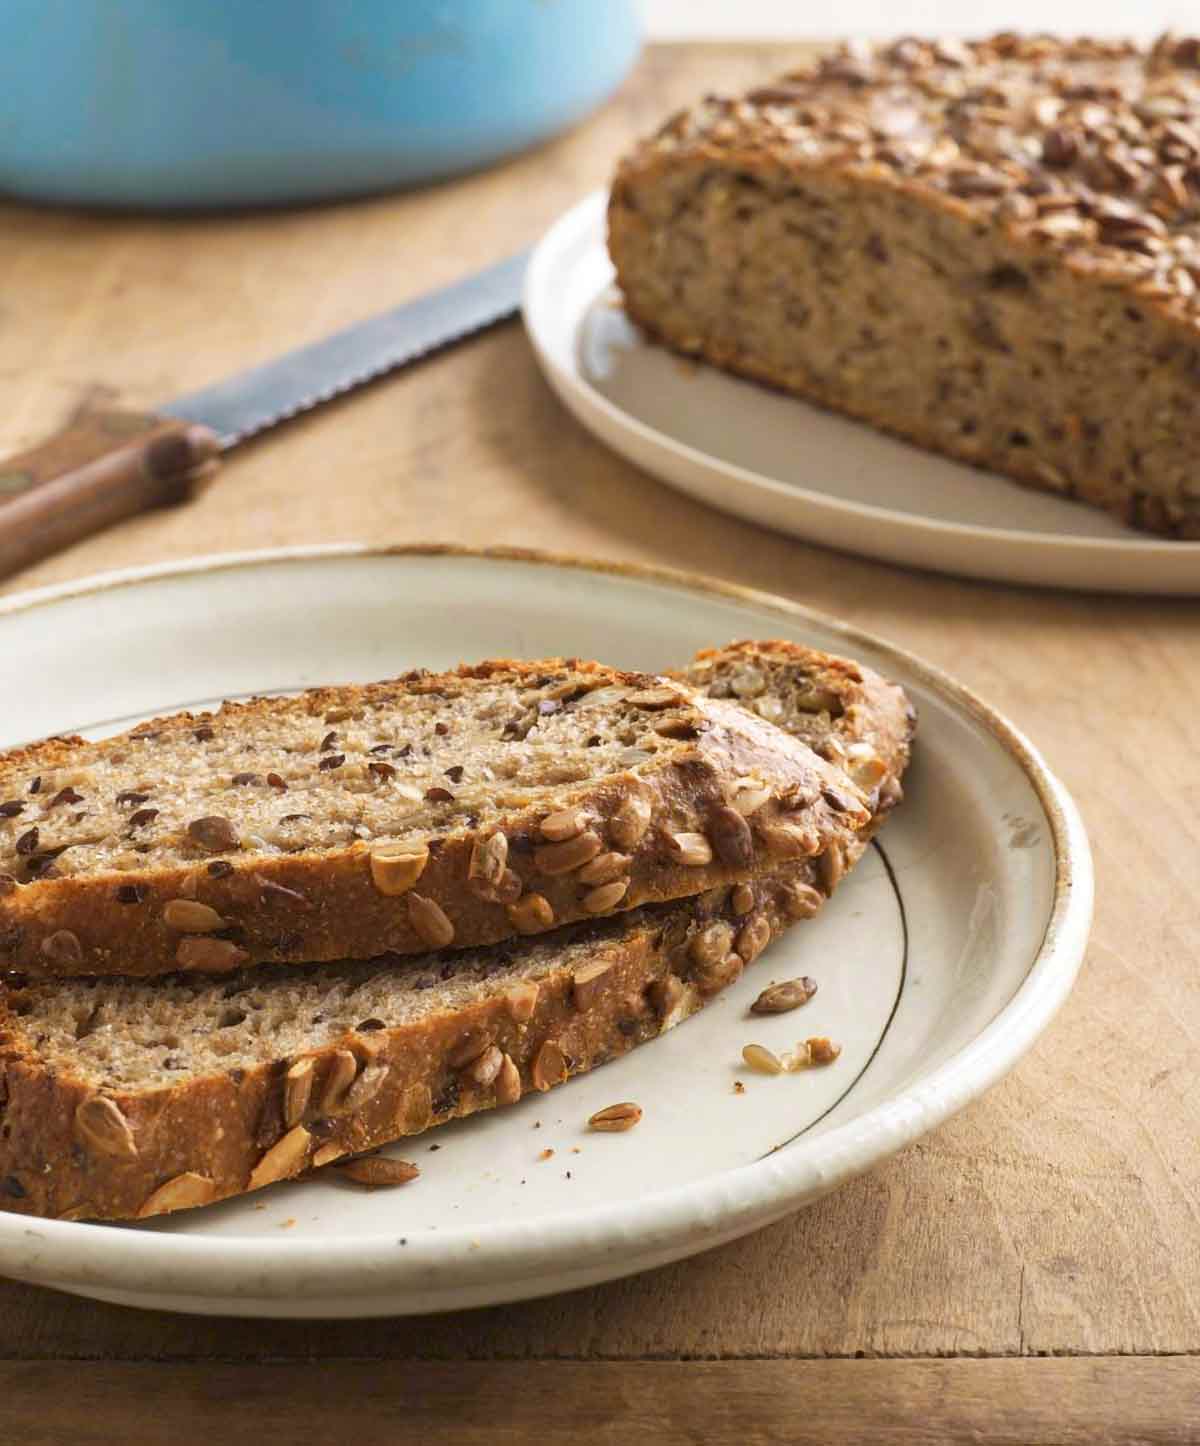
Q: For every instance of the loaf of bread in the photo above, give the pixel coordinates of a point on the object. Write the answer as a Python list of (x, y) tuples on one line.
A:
[(124, 1098), (129, 1098), (438, 810), (989, 249)]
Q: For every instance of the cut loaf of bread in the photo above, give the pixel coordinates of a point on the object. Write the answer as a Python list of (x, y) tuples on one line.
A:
[(126, 1098), (987, 248), (438, 810)]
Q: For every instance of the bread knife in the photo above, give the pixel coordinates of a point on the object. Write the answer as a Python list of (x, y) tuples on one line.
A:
[(108, 465)]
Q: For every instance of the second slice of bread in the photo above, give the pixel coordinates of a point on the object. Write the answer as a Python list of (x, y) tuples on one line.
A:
[(129, 1098)]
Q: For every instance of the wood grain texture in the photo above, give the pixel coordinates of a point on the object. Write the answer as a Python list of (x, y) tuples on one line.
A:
[(1062, 1212), (748, 1403)]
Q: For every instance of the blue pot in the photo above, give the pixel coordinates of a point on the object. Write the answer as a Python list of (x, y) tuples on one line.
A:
[(170, 103)]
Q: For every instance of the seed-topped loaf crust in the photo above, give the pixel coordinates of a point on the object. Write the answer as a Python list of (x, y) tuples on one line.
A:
[(989, 248), (128, 1098), (438, 810), (846, 712)]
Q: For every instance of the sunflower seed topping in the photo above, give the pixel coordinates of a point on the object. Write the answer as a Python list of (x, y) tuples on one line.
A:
[(570, 854), (182, 1193), (558, 827), (531, 914), (484, 1070), (489, 860), (585, 984), (801, 901), (508, 1082), (605, 897), (549, 1066), (741, 900), (691, 849), (297, 1090), (396, 867), (753, 938), (376, 1171), (429, 920), (284, 1158), (208, 956), (522, 1001), (365, 1087), (782, 998), (761, 1059), (186, 916), (340, 1075), (628, 825), (101, 1125), (731, 837), (604, 868), (615, 1119)]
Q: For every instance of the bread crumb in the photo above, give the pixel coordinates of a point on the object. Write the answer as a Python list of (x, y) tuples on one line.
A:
[(288, 1223), (546, 1155), (738, 1087)]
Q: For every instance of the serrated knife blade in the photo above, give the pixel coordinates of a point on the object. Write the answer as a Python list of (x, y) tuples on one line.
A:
[(262, 397)]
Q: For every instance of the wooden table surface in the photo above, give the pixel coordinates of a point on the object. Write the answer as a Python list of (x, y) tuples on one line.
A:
[(1058, 1218)]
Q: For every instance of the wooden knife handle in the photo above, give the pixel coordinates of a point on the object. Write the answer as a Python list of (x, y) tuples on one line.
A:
[(105, 466)]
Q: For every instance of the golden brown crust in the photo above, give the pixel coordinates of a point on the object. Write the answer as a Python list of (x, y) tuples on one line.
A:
[(69, 1153), (309, 907)]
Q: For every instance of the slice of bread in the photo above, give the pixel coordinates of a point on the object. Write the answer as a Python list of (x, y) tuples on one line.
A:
[(127, 1098), (459, 809)]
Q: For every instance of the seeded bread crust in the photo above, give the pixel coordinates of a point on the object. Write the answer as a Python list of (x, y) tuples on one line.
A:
[(75, 1146), (847, 713), (989, 249), (724, 796)]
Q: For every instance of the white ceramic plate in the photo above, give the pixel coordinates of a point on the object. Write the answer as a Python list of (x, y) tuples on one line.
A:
[(798, 469), (939, 960)]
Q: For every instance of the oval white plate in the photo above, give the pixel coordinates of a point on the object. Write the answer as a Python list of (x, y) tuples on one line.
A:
[(939, 960), (793, 467)]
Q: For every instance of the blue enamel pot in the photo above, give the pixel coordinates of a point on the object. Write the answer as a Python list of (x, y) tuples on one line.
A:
[(179, 103)]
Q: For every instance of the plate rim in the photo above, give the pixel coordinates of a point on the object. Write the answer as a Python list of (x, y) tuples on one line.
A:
[(668, 1224), (582, 217)]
